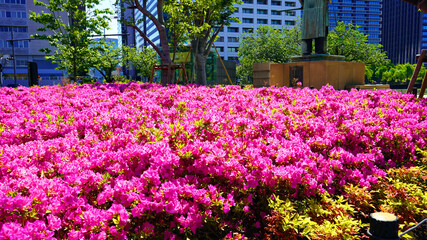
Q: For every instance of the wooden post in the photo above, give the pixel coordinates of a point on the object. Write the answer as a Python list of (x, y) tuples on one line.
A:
[(416, 71), (423, 86), (152, 74)]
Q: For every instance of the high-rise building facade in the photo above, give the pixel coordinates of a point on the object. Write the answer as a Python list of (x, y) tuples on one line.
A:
[(253, 13), (147, 26), (127, 35), (364, 13), (15, 23), (404, 31)]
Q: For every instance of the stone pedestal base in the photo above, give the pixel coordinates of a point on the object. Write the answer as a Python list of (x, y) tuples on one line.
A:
[(313, 74), (317, 57)]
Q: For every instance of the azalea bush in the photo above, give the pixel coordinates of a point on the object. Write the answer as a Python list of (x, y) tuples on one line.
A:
[(144, 161)]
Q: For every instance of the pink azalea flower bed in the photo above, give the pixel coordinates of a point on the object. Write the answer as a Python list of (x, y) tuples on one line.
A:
[(142, 160)]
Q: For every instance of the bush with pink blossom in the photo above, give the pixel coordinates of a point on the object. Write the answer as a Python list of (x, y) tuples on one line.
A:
[(138, 161)]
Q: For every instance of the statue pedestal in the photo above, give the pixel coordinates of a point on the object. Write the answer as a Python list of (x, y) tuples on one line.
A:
[(312, 71)]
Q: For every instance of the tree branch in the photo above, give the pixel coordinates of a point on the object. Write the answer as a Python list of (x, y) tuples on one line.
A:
[(212, 40), (147, 39)]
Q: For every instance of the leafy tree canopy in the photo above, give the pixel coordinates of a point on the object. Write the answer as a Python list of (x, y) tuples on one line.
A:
[(200, 21), (346, 40), (267, 44), (142, 60), (69, 26)]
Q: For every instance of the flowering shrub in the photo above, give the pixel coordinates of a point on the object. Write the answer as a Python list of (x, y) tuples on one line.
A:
[(145, 161)]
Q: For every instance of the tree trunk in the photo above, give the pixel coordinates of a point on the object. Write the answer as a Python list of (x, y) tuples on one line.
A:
[(167, 75), (74, 80), (200, 62), (200, 57)]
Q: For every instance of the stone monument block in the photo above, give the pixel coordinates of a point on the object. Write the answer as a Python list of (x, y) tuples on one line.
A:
[(313, 74)]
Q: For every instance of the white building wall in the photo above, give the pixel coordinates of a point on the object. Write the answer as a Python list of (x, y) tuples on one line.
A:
[(253, 13)]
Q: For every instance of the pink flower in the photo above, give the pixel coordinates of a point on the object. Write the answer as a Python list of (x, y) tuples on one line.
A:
[(54, 222)]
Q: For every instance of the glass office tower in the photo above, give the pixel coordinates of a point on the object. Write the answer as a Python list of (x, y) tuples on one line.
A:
[(364, 13), (404, 31)]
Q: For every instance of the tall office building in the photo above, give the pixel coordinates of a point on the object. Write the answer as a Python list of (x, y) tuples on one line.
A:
[(364, 13), (14, 22), (253, 13), (128, 35), (147, 26), (404, 31)]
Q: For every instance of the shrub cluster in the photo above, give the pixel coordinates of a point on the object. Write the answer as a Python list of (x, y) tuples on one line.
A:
[(142, 161)]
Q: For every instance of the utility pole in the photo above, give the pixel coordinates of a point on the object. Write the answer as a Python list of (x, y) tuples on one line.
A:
[(14, 57)]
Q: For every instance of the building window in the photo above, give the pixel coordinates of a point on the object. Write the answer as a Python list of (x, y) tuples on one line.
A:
[(233, 49), (274, 12), (248, 30), (262, 2), (215, 29), (261, 21), (236, 11), (276, 3), (220, 39), (233, 39), (248, 10), (233, 58), (276, 22), (18, 44), (290, 13), (15, 29), (289, 23), (220, 49), (290, 4), (247, 20), (262, 11), (233, 29), (248, 1), (9, 14), (14, 1), (21, 44)]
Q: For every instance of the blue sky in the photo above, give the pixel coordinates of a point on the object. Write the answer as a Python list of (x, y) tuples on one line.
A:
[(113, 24)]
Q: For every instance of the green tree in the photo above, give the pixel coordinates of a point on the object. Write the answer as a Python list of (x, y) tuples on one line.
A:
[(402, 73), (159, 22), (141, 60), (106, 59), (71, 35), (203, 20), (378, 75), (267, 44), (347, 41)]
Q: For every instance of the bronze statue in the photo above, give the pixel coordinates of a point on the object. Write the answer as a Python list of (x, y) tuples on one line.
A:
[(315, 22)]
